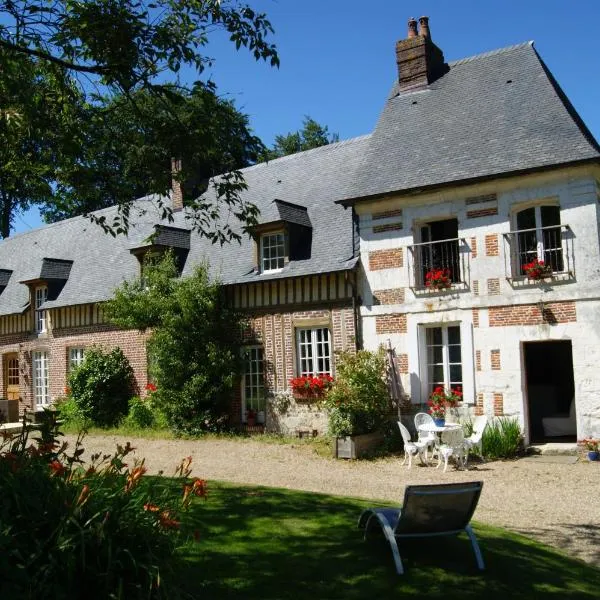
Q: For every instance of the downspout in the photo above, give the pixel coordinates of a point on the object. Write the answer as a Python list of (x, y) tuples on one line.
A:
[(355, 309)]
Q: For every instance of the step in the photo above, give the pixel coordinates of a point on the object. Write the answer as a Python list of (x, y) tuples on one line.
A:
[(555, 449)]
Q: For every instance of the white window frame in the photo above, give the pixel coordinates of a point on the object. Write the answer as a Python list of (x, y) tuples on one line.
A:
[(447, 383), (41, 387), (253, 390), (75, 357), (310, 348), (266, 263), (41, 295)]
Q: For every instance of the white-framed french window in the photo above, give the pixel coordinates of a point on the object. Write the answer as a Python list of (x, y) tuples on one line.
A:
[(424, 353), (272, 251), (40, 378), (444, 357), (313, 351), (538, 234), (253, 383), (41, 295), (75, 357)]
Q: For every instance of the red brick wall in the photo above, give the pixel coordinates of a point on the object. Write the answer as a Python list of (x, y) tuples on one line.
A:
[(390, 323), (498, 404), (495, 360), (474, 247), (57, 344), (478, 360), (493, 286), (403, 363), (491, 245), (530, 314), (386, 259), (475, 312), (391, 296), (479, 404)]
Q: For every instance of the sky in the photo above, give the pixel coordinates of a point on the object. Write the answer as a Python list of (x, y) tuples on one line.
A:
[(338, 57)]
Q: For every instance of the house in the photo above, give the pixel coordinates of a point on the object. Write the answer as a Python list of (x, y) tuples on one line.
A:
[(426, 234)]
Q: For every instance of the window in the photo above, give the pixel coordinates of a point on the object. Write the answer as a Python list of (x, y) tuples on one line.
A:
[(75, 357), (12, 372), (254, 383), (444, 357), (313, 351), (439, 248), (539, 237), (40, 378), (272, 251), (41, 295)]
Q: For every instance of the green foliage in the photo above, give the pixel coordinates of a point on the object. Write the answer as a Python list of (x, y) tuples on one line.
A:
[(194, 347), (92, 107), (97, 532), (102, 386), (359, 401), (312, 135), (502, 438), (140, 414), (69, 413)]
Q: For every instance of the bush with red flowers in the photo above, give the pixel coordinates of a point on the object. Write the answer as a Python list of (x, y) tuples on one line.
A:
[(310, 387), (537, 269), (438, 279)]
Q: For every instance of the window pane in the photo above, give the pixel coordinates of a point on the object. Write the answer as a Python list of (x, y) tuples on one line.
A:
[(434, 335), (454, 354), (435, 354), (526, 219), (455, 374), (454, 335), (550, 215)]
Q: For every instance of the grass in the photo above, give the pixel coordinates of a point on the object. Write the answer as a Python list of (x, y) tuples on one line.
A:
[(278, 544)]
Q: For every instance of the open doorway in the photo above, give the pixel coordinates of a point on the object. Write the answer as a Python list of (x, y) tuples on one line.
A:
[(550, 391)]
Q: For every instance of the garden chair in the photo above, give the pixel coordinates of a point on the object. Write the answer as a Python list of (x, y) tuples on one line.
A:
[(411, 448), (427, 511), (453, 444), (425, 436), (475, 439)]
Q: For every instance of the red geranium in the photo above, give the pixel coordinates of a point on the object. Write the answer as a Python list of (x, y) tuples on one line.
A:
[(537, 269), (311, 386), (438, 279)]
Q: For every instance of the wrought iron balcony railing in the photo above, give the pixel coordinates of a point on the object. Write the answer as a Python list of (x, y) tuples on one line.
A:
[(451, 257), (551, 245)]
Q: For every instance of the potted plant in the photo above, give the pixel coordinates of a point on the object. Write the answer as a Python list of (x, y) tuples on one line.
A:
[(591, 445), (440, 400), (537, 269), (438, 279), (311, 387), (357, 404)]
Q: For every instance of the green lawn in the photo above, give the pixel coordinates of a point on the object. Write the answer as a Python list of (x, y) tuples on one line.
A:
[(271, 543)]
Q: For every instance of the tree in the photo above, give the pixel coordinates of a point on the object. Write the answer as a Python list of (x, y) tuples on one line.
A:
[(119, 51), (194, 346), (118, 160), (312, 135)]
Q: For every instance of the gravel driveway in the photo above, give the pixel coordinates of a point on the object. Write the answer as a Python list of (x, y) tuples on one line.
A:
[(554, 503)]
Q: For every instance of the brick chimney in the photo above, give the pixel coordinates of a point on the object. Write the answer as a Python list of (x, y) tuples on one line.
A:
[(176, 185), (420, 61)]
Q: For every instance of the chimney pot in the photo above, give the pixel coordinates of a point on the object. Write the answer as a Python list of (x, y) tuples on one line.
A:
[(424, 27), (176, 185), (412, 28)]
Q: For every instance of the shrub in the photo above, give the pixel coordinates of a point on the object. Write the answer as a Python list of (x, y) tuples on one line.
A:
[(193, 352), (69, 412), (140, 413), (502, 438), (102, 386), (358, 401), (103, 531)]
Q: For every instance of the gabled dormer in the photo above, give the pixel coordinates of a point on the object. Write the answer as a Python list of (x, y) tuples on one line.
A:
[(164, 237), (284, 235), (47, 286)]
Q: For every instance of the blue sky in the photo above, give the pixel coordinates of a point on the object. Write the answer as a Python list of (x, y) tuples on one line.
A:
[(338, 59)]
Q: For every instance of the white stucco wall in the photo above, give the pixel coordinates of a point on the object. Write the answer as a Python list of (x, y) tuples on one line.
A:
[(576, 191)]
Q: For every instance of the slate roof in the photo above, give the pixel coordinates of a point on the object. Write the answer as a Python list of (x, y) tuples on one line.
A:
[(491, 114), (312, 179)]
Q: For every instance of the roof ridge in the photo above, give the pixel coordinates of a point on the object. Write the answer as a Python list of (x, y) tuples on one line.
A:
[(490, 53), (324, 148)]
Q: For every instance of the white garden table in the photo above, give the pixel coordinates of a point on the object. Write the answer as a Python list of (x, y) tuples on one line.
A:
[(433, 428)]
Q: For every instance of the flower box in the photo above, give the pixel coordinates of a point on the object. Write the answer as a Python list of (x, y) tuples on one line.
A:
[(537, 269), (355, 446), (310, 387), (438, 279)]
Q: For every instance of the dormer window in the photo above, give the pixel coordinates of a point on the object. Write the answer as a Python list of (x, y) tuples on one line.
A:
[(272, 251), (41, 295)]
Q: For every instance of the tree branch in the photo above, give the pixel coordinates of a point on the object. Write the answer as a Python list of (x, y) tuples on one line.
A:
[(98, 70)]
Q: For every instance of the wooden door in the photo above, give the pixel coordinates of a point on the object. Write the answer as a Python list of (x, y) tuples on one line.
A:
[(11, 376)]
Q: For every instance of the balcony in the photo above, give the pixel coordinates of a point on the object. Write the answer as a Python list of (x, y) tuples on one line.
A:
[(450, 256), (551, 245)]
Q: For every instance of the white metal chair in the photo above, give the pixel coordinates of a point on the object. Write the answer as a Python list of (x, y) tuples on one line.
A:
[(475, 439), (411, 448), (425, 436), (453, 444)]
